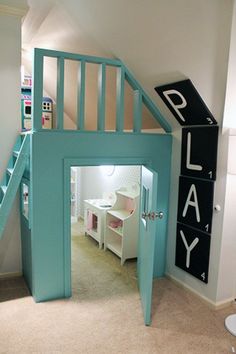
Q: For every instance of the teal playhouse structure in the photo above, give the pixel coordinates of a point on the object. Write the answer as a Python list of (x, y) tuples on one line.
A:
[(39, 154)]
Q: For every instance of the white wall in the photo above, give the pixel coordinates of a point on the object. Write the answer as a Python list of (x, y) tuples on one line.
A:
[(227, 274), (10, 59), (94, 182), (230, 106), (227, 265)]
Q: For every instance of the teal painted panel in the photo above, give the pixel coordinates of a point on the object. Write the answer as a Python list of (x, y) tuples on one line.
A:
[(146, 245), (120, 99), (13, 179), (101, 97), (60, 93), (26, 251), (37, 90), (137, 111), (50, 151), (81, 96), (79, 57)]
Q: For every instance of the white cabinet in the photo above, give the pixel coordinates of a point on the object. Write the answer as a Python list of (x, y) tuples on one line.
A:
[(94, 217), (74, 194), (122, 224)]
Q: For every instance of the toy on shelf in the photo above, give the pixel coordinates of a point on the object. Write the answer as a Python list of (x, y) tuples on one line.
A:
[(47, 107), (26, 103), (47, 113)]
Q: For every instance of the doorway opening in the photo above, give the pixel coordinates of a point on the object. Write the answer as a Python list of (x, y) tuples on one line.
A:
[(104, 203)]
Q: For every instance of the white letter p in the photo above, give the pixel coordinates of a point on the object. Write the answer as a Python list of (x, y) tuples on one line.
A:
[(176, 106)]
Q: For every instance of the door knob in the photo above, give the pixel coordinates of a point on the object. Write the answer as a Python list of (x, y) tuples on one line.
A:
[(153, 215), (156, 215), (145, 216)]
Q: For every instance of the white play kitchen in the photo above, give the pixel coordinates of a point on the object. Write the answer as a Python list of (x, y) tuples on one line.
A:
[(115, 226), (94, 217)]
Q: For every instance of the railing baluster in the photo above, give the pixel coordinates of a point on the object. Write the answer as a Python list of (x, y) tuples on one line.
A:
[(120, 88), (37, 92), (153, 109), (137, 111), (60, 93), (101, 97), (140, 96), (81, 96)]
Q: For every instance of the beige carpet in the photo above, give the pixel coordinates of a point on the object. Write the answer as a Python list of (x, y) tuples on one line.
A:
[(104, 315)]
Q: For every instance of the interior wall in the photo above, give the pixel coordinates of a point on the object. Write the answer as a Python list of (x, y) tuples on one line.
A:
[(95, 182), (230, 106), (227, 277), (10, 62)]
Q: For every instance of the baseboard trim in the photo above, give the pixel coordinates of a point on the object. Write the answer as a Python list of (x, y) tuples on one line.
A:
[(213, 305), (10, 275)]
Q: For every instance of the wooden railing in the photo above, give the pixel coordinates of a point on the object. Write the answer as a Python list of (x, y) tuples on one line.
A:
[(140, 96)]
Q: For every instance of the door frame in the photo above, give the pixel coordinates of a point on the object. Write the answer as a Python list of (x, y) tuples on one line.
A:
[(84, 162)]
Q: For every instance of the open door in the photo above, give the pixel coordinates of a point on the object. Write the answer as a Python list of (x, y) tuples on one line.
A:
[(147, 234)]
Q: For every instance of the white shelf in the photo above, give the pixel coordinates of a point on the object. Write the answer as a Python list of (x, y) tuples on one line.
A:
[(120, 214), (125, 212), (115, 246), (94, 234), (115, 230)]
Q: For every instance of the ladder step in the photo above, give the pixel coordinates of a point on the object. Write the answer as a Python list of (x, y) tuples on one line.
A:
[(4, 188), (10, 171), (12, 178), (16, 153), (26, 133)]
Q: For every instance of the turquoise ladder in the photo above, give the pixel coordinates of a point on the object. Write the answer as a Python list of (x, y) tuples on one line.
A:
[(12, 178)]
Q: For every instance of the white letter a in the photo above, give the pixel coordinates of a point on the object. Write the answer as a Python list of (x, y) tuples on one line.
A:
[(192, 203)]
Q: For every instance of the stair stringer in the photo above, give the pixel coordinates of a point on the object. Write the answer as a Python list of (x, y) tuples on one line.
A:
[(11, 186)]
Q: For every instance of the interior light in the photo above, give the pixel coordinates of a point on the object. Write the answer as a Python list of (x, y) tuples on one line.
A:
[(108, 170)]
